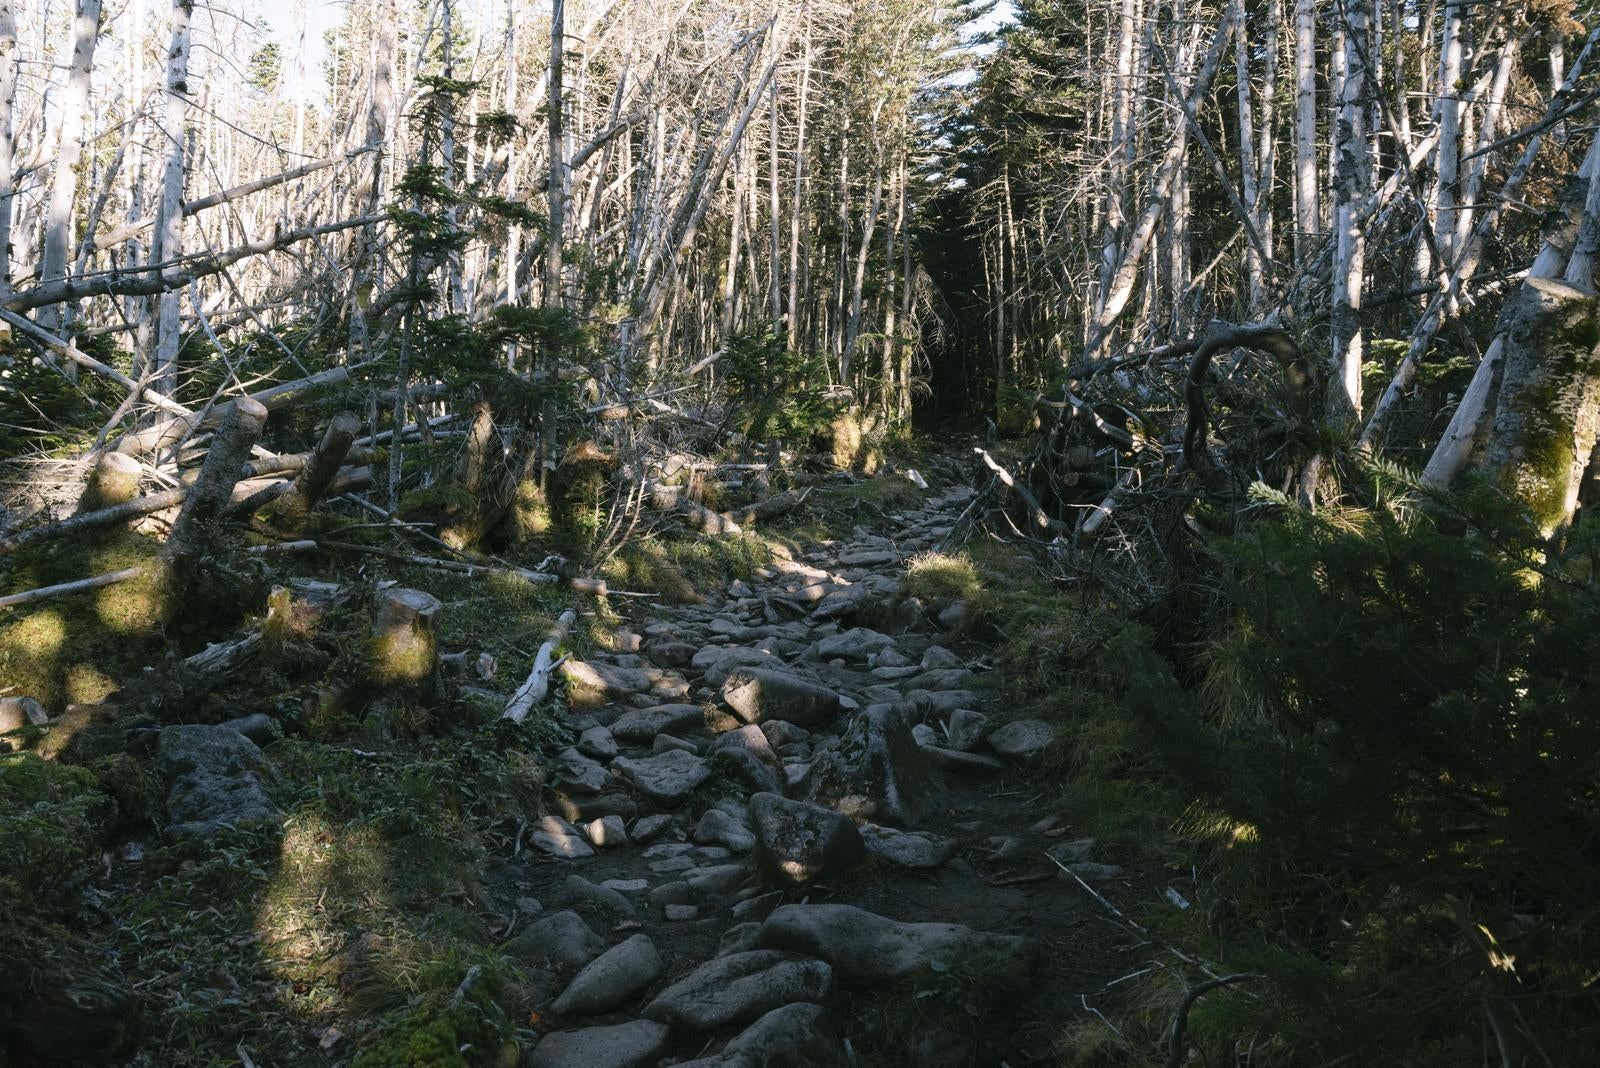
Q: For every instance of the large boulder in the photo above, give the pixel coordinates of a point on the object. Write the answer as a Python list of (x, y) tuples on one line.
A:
[(214, 780), (638, 1044), (878, 772), (739, 988), (864, 947), (797, 843), (757, 694)]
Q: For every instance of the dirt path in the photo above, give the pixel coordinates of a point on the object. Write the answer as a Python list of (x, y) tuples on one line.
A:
[(764, 790)]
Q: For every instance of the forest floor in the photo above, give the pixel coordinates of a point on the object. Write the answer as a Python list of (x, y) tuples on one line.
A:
[(433, 886)]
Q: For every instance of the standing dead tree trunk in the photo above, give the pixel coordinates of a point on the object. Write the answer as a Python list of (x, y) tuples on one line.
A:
[(69, 150), (169, 227)]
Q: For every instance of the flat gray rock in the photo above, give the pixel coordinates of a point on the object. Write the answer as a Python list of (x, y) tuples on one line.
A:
[(579, 892), (797, 843), (1023, 740), (666, 779), (581, 774), (749, 737), (757, 694), (717, 827), (739, 988), (906, 850), (611, 979), (639, 1044), (867, 948), (597, 742), (954, 760), (214, 780), (561, 939), (643, 724), (856, 644), (607, 679)]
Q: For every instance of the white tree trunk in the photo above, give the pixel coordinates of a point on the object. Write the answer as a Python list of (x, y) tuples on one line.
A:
[(69, 150), (169, 215)]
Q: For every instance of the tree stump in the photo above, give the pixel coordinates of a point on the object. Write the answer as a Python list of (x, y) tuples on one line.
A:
[(404, 650), (114, 480)]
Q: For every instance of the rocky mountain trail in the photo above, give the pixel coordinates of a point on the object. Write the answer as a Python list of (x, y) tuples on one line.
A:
[(791, 820)]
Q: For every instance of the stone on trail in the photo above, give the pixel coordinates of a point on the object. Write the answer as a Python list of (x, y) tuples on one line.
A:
[(738, 989), (214, 780), (607, 678), (1023, 740), (666, 779), (670, 654), (717, 662), (906, 850), (638, 1044), (864, 947), (878, 772), (597, 742), (665, 743), (954, 760), (612, 978), (843, 603), (561, 939), (719, 828), (580, 774), (966, 729), (938, 657), (798, 843), (740, 938), (643, 724), (795, 1036), (749, 737), (649, 828), (757, 694), (856, 644), (606, 831), (558, 838), (749, 769), (581, 893)]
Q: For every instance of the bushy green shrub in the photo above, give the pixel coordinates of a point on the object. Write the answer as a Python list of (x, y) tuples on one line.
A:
[(775, 392), (1397, 738)]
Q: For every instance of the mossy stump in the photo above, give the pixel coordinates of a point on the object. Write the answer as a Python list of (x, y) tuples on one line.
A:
[(403, 652)]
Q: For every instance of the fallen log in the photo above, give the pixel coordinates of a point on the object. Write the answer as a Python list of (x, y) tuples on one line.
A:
[(317, 475), (594, 586), (200, 520), (667, 499), (75, 586), (171, 431), (537, 684), (248, 488), (768, 507), (1040, 517)]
